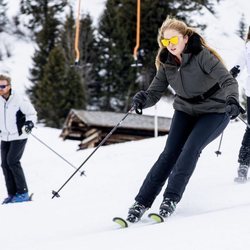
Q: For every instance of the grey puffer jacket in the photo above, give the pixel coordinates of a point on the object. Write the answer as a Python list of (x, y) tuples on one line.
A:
[(199, 71)]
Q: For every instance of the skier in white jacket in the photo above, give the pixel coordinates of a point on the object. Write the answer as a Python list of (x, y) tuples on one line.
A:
[(244, 153), (17, 118)]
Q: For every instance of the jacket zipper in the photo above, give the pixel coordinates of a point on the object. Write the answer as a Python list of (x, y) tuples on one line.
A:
[(179, 70), (5, 120)]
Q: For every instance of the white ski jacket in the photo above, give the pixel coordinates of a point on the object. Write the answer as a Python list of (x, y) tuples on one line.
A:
[(244, 62), (13, 113)]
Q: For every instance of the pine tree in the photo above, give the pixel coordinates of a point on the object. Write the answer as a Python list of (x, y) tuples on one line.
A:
[(49, 88), (67, 37), (242, 27), (37, 12), (59, 91), (46, 41), (76, 92), (57, 86), (3, 17), (86, 48), (88, 59), (45, 23), (115, 73)]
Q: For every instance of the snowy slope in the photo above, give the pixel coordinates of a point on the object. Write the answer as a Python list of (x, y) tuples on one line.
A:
[(213, 214)]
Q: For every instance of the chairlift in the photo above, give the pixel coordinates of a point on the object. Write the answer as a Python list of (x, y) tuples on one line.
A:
[(77, 33), (136, 52)]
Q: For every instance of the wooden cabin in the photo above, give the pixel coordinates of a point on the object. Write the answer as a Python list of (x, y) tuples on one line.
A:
[(90, 127)]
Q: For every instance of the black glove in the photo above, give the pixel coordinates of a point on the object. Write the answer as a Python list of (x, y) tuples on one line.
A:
[(235, 71), (139, 101), (233, 108), (28, 126)]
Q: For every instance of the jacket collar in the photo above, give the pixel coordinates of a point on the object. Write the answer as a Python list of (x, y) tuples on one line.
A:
[(9, 97)]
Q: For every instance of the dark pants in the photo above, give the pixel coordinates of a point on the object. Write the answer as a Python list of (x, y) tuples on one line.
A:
[(188, 136), (244, 154), (11, 153)]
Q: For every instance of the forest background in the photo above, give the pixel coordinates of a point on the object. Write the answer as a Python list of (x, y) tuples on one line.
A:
[(106, 75)]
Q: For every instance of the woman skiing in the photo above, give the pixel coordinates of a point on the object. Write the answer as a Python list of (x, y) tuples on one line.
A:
[(244, 153), (206, 99)]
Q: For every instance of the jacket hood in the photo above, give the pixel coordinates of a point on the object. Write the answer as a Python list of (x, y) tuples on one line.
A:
[(193, 47)]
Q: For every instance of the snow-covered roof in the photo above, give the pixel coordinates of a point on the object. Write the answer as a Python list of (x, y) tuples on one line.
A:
[(111, 119)]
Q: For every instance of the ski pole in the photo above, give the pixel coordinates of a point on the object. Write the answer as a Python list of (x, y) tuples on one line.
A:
[(56, 193), (228, 109), (218, 152), (244, 122), (82, 173)]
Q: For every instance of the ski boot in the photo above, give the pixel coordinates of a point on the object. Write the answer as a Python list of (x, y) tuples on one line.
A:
[(20, 198), (135, 212), (242, 174), (167, 207)]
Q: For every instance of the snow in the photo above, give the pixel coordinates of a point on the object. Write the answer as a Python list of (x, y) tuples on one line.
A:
[(17, 66), (214, 211)]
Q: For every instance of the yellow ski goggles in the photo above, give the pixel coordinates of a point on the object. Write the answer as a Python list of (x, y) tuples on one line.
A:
[(174, 40)]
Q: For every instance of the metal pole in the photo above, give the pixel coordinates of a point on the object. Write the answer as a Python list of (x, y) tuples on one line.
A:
[(46, 145), (56, 193), (218, 152), (244, 122)]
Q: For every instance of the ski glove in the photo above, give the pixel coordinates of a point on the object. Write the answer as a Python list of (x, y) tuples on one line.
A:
[(233, 108), (235, 71), (139, 101), (28, 126)]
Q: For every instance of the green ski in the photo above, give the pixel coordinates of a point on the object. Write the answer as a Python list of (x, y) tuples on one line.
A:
[(156, 217), (120, 221)]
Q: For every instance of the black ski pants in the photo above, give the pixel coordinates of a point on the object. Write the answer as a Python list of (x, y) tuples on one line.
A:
[(11, 153), (187, 137), (244, 153)]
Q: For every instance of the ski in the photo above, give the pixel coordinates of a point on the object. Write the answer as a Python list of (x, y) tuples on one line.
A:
[(156, 217), (241, 179), (121, 222)]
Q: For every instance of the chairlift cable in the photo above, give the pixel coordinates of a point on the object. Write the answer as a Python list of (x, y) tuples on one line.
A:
[(77, 58), (137, 29)]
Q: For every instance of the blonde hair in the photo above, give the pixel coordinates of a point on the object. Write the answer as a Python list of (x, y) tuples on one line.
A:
[(182, 28), (5, 78)]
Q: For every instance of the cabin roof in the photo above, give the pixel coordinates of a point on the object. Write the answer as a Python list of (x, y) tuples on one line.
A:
[(111, 119)]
